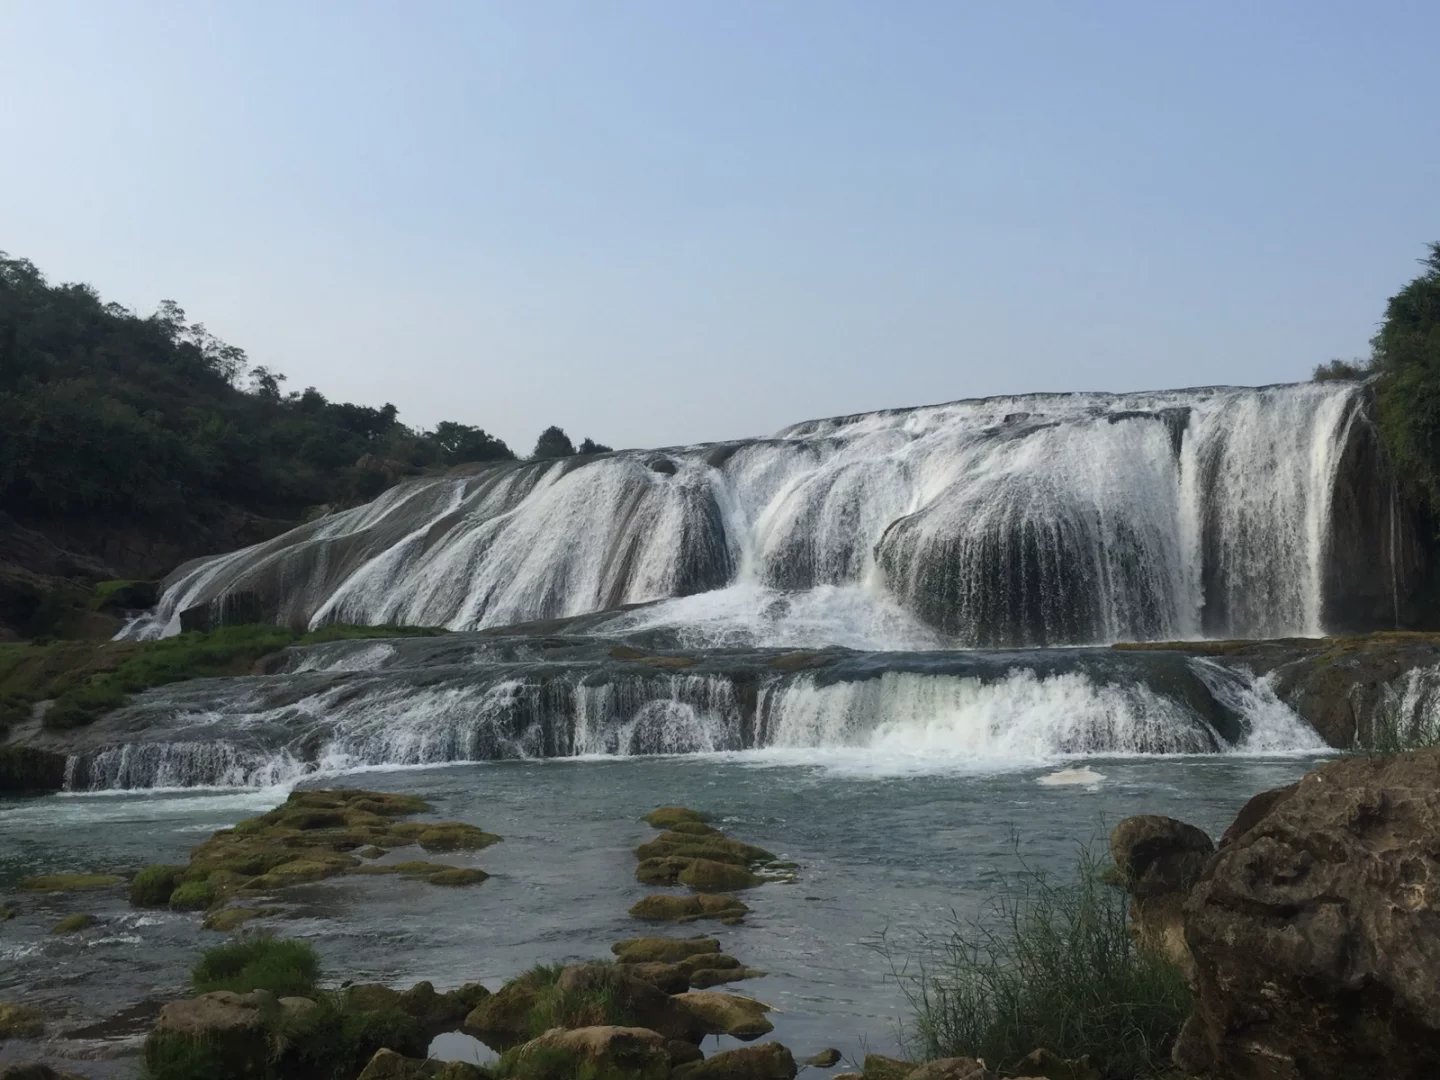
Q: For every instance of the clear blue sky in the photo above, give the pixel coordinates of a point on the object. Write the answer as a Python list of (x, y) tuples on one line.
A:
[(661, 222)]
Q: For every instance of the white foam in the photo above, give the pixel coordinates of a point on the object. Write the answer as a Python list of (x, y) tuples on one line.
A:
[(1073, 777)]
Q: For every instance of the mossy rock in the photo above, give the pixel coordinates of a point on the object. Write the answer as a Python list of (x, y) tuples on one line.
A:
[(704, 978), (727, 1014), (667, 907), (71, 882), (458, 875), (662, 817), (693, 828), (707, 875), (455, 836), (717, 848), (192, 896), (664, 949), (370, 852), (73, 924), (503, 1020), (880, 1067), (227, 919), (667, 978), (662, 870), (152, 886), (20, 1022)]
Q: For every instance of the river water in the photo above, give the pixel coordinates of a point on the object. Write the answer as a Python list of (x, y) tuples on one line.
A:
[(887, 845)]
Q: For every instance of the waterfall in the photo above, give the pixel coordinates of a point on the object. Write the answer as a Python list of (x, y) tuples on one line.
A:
[(473, 697), (1040, 520)]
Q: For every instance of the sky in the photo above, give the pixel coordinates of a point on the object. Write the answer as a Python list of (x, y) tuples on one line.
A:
[(656, 222)]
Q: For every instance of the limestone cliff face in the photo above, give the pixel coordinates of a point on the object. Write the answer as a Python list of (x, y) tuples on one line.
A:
[(1313, 930)]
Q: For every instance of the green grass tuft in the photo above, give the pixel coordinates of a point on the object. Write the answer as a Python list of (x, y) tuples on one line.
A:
[(1050, 965), (258, 962), (152, 886)]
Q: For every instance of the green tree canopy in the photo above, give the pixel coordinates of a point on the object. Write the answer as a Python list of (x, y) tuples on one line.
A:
[(1407, 358), (553, 443), (461, 442)]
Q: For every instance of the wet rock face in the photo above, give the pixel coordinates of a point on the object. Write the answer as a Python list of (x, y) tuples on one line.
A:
[(1315, 930), (1160, 860)]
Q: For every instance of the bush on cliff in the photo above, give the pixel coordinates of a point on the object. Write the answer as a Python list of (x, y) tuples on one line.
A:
[(1050, 965)]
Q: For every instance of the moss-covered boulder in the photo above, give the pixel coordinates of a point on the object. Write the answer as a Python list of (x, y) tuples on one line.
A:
[(880, 1067), (454, 836), (704, 978), (221, 1034), (232, 918), (320, 834), (71, 882), (707, 875), (670, 950), (73, 924), (388, 1065), (668, 907), (606, 1052), (668, 978), (20, 1022), (503, 1019), (152, 886), (727, 1014), (770, 1061), (663, 817), (192, 896)]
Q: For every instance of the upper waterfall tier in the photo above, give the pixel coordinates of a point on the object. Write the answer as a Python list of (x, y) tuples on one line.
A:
[(1036, 520)]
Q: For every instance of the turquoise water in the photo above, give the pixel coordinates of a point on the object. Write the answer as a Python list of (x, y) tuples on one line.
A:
[(882, 850)]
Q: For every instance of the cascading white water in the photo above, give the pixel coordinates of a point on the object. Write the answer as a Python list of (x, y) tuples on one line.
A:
[(1039, 520), (1022, 717), (901, 711)]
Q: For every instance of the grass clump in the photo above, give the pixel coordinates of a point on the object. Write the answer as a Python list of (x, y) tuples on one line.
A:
[(258, 962), (193, 896), (152, 886), (1050, 965)]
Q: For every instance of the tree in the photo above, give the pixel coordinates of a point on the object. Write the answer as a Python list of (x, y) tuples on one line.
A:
[(1407, 356), (590, 446), (553, 443), (1343, 370), (266, 383), (461, 442)]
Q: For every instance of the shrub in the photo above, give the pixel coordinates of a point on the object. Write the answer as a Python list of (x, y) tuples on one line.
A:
[(1047, 965), (258, 962), (152, 886)]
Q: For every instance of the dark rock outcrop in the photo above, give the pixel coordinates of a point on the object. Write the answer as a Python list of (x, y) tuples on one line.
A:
[(1160, 860), (1315, 930)]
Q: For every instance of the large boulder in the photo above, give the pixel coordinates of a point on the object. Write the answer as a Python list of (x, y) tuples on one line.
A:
[(770, 1061), (1315, 931), (636, 1002), (222, 1032), (561, 1054), (727, 1014), (1160, 860), (388, 1065)]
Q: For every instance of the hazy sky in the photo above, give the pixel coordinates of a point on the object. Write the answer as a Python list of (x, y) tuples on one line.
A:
[(663, 222)]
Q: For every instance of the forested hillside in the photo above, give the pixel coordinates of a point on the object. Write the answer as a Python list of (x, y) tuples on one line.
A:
[(129, 443)]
